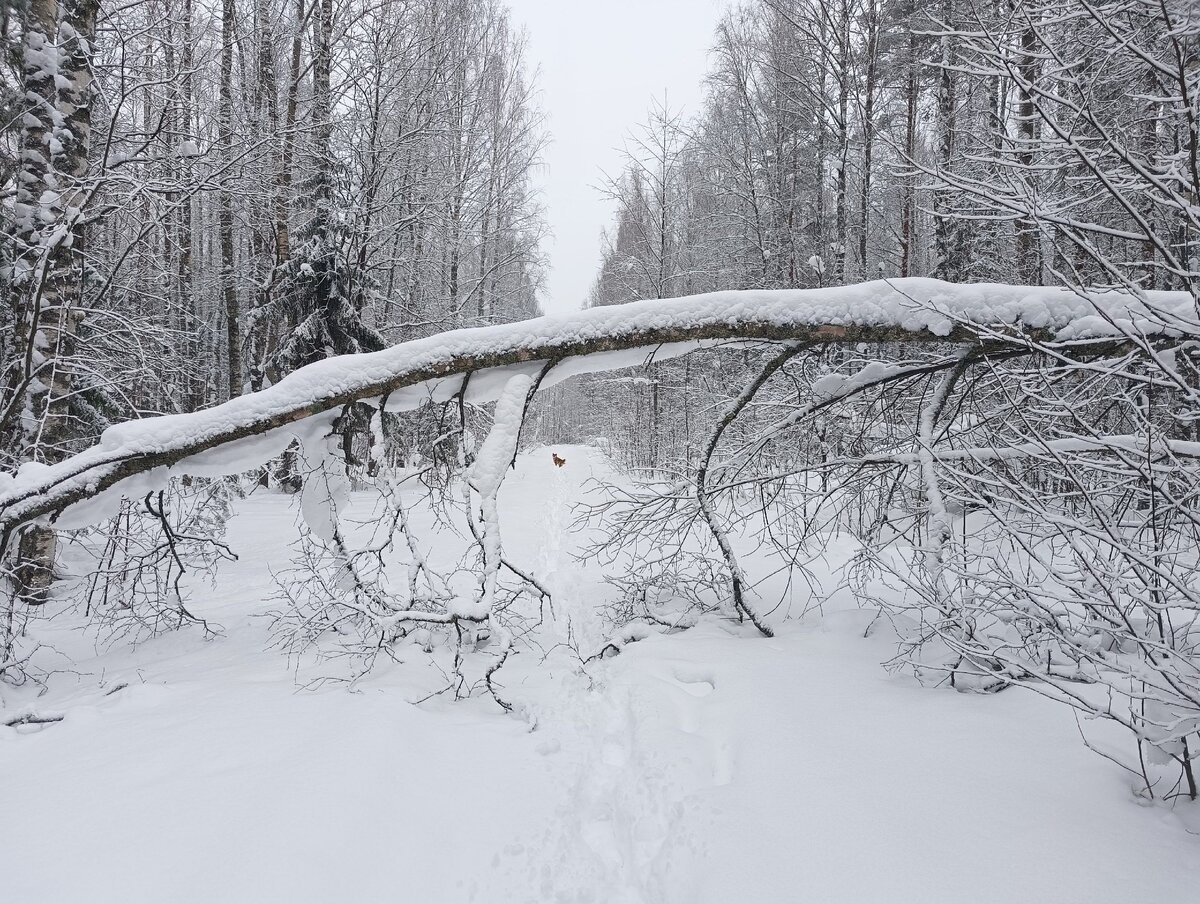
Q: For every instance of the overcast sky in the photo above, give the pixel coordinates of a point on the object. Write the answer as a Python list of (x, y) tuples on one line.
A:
[(600, 63)]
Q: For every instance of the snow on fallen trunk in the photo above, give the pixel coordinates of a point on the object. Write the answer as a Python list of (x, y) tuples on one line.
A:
[(485, 476), (139, 456), (326, 488)]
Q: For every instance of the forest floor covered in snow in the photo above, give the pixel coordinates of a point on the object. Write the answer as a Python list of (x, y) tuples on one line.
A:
[(709, 765)]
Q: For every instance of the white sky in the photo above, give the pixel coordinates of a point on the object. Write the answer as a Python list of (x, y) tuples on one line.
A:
[(601, 62)]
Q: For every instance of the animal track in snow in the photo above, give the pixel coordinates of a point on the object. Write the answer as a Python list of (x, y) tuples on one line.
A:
[(698, 683)]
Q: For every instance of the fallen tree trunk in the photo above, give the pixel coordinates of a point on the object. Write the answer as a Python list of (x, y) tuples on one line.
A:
[(138, 456)]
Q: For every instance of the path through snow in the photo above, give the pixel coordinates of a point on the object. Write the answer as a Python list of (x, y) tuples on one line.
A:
[(707, 767)]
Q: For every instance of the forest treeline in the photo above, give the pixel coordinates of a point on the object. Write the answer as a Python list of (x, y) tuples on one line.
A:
[(1032, 142), (970, 140), (201, 197)]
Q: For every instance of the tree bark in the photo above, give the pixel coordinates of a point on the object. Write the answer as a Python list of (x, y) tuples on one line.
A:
[(841, 199), (871, 27), (949, 265), (1029, 253), (907, 191), (229, 293), (53, 296)]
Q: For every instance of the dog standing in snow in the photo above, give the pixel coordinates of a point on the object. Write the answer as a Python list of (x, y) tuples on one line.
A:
[(558, 462)]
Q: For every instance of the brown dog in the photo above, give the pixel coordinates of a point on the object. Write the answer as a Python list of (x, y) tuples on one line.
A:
[(558, 462)]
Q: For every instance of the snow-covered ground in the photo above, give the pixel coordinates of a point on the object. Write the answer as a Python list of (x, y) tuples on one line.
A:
[(711, 765)]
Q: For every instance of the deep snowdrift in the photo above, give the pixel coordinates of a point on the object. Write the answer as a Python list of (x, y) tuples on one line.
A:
[(708, 766)]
